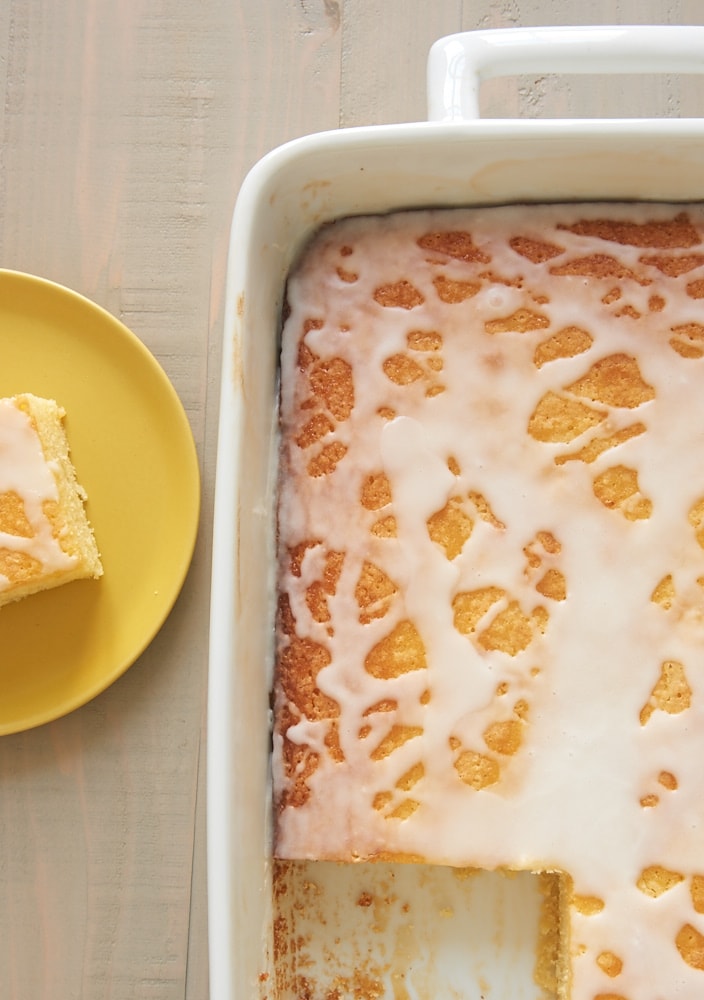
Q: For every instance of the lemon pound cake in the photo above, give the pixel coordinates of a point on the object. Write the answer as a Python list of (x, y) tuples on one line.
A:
[(490, 633), (45, 536)]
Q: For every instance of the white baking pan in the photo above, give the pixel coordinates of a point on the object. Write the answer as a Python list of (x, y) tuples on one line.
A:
[(427, 931)]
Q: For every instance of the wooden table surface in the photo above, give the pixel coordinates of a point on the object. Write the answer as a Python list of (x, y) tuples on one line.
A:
[(127, 128)]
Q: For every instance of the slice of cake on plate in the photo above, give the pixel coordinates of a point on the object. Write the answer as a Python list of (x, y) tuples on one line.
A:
[(45, 536)]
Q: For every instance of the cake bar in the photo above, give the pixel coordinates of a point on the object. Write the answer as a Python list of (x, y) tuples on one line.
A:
[(490, 624), (45, 537)]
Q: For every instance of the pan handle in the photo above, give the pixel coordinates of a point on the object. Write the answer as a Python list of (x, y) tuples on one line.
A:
[(457, 64)]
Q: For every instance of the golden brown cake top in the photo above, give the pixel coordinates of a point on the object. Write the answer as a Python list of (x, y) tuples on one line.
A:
[(491, 614)]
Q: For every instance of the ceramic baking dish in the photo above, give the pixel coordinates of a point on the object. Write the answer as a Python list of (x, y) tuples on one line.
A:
[(427, 932)]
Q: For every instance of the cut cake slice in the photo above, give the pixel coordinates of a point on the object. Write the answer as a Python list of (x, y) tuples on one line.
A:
[(45, 537)]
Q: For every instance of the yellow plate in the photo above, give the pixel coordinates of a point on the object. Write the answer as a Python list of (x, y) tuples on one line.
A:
[(134, 454)]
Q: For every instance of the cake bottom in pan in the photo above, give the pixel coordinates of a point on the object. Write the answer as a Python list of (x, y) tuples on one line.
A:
[(406, 932)]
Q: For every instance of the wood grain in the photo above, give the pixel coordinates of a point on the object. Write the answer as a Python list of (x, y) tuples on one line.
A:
[(127, 129)]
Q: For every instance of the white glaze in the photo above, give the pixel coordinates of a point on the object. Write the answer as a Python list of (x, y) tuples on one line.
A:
[(570, 799)]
